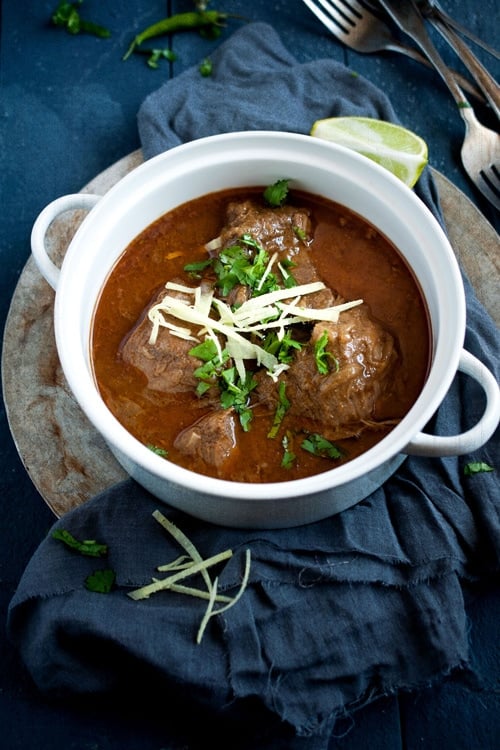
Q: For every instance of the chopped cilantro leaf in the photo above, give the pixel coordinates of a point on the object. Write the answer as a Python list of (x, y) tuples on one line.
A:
[(159, 451), (281, 348), (244, 263), (101, 581), (67, 16), (206, 67), (289, 456), (320, 446), (87, 547), (300, 233), (195, 269), (477, 467), (235, 394), (322, 356), (281, 410), (276, 194)]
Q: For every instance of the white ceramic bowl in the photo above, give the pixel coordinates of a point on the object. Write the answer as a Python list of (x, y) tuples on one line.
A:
[(260, 158)]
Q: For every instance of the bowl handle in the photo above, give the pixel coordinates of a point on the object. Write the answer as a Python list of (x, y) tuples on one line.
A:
[(456, 445), (46, 266)]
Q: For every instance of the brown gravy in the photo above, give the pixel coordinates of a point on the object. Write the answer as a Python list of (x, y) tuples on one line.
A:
[(352, 258)]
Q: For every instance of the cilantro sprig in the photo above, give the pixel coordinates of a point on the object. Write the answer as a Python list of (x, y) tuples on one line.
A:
[(282, 348), (323, 357), (244, 263), (67, 16), (320, 446), (100, 581), (477, 467), (275, 195), (235, 394), (88, 547), (217, 370), (281, 410)]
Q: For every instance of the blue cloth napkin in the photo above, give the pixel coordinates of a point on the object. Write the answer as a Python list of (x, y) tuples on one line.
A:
[(337, 613)]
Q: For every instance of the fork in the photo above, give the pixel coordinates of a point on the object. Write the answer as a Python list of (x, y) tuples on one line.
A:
[(359, 28), (481, 146), (484, 80)]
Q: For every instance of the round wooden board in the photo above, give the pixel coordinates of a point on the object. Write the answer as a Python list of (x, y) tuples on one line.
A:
[(64, 455)]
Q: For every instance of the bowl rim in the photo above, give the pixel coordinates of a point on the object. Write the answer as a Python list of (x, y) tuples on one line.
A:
[(85, 391)]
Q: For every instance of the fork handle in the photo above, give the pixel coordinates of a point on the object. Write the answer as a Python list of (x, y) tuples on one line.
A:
[(407, 16), (484, 80)]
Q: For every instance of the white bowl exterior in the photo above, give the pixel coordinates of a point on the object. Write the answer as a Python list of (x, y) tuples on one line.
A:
[(241, 159)]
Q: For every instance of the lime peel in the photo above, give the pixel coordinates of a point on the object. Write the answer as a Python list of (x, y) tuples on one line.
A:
[(392, 146)]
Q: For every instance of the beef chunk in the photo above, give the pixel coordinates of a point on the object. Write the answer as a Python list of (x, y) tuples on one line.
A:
[(166, 364), (342, 402), (278, 230), (211, 438), (274, 228)]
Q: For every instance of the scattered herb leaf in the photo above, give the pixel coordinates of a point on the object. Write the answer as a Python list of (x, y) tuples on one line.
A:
[(276, 194), (320, 446), (206, 67), (101, 581), (282, 348), (195, 269), (155, 55), (88, 547), (477, 467), (322, 356), (300, 233), (155, 449), (66, 15), (281, 410), (289, 456)]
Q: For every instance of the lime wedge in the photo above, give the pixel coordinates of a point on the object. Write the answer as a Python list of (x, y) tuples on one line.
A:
[(397, 149)]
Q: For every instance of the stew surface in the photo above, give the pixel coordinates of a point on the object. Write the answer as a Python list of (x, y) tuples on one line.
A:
[(337, 387)]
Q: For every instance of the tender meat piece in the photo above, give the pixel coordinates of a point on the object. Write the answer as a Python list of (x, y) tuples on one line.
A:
[(275, 228), (344, 401), (211, 438), (278, 230), (166, 364)]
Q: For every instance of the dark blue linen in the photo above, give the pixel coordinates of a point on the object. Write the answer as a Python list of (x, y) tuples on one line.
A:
[(337, 613)]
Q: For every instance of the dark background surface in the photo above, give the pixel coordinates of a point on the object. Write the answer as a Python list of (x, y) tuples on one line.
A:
[(68, 110)]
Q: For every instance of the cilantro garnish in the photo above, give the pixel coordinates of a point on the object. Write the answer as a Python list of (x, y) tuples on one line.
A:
[(289, 456), (281, 410), (288, 279), (300, 233), (67, 16), (281, 348), (88, 547), (244, 263), (235, 394), (206, 67), (195, 269), (322, 356), (101, 581), (213, 366), (276, 194), (159, 451), (477, 467), (320, 446)]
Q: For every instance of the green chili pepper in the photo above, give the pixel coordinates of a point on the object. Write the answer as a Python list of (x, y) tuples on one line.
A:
[(179, 22)]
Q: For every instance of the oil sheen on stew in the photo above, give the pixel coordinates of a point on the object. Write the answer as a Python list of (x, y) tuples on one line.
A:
[(218, 340)]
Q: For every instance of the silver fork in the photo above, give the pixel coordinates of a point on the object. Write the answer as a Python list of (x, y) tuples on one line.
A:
[(484, 80), (359, 28), (481, 147)]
